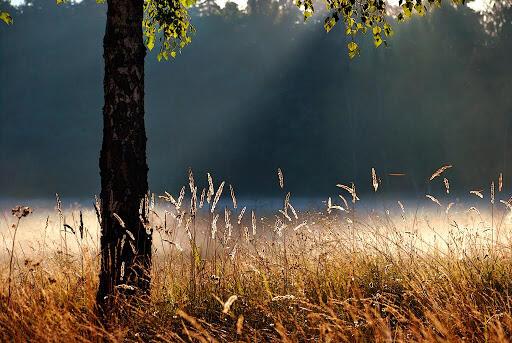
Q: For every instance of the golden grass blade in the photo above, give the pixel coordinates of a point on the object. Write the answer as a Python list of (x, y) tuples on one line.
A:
[(239, 324), (293, 210), (449, 207), (280, 177), (211, 189), (193, 202), (440, 171), (500, 182), (181, 197), (344, 201), (246, 234), (227, 221), (401, 206), (474, 209), (279, 226), (301, 225), (188, 222), (191, 182), (253, 222), (232, 254), (286, 202), (331, 206), (241, 215), (201, 201), (217, 196), (214, 226), (351, 190), (446, 185), (478, 193), (285, 215), (229, 303), (119, 220), (375, 182), (233, 198), (509, 206), (434, 199), (169, 198)]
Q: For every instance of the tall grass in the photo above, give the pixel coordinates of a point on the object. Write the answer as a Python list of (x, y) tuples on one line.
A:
[(226, 273)]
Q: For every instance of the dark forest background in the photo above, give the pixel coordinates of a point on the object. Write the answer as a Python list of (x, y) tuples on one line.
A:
[(257, 90)]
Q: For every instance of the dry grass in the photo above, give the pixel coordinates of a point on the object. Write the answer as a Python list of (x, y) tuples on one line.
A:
[(339, 275)]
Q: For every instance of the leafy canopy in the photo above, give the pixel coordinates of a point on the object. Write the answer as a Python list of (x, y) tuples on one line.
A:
[(360, 16), (168, 21)]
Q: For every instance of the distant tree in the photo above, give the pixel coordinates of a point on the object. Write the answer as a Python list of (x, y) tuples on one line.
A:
[(231, 10), (208, 7), (495, 14), (262, 8)]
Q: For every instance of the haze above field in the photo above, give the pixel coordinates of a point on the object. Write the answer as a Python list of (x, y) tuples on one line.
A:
[(259, 90)]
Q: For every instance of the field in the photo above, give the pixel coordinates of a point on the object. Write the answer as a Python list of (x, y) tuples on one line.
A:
[(405, 271)]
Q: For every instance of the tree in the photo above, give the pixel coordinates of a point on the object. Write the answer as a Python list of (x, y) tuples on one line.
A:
[(125, 236), (123, 165)]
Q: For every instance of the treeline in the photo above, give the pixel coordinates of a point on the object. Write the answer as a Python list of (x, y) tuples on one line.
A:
[(256, 90)]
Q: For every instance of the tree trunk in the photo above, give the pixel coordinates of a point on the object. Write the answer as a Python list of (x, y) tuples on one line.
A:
[(125, 244)]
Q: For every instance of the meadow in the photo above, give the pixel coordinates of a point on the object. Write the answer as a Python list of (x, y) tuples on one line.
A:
[(403, 271)]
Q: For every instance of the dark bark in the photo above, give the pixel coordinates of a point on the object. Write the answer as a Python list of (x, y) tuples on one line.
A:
[(123, 165)]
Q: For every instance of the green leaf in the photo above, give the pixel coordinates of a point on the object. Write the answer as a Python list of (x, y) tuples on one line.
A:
[(407, 11), (388, 30), (352, 46), (353, 49), (377, 40), (329, 24), (151, 42), (420, 9), (6, 17), (188, 3)]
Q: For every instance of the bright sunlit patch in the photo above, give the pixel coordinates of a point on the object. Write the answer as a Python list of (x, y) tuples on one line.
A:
[(476, 5), (480, 5)]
